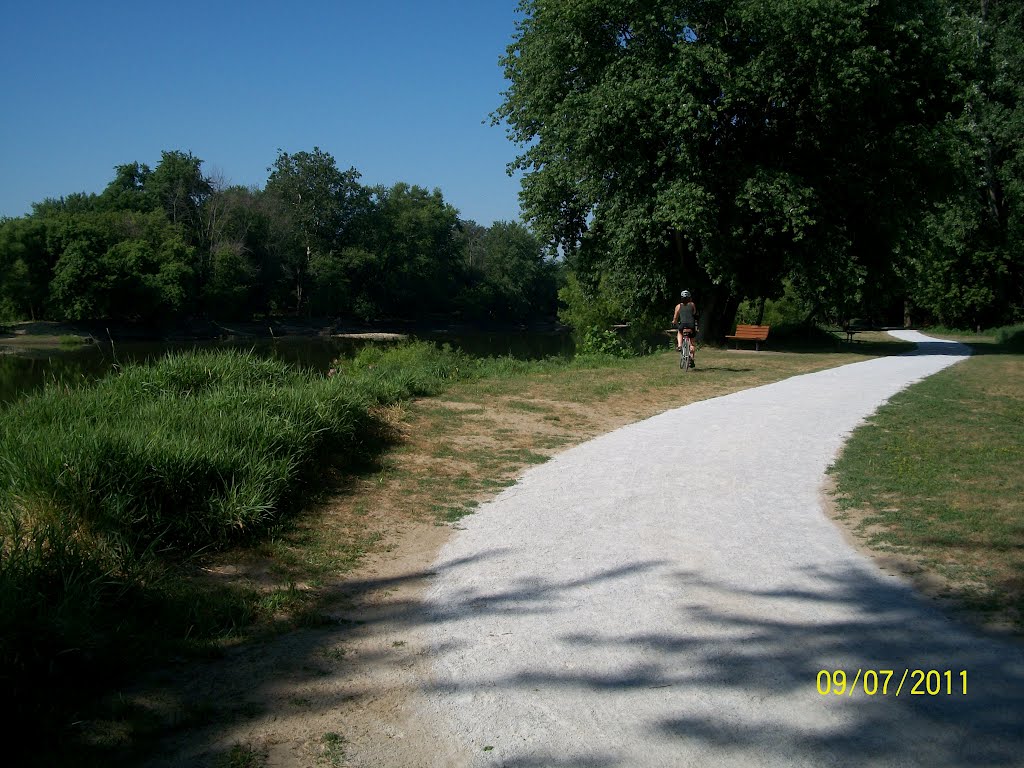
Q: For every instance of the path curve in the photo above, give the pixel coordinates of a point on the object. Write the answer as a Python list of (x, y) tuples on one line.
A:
[(588, 617)]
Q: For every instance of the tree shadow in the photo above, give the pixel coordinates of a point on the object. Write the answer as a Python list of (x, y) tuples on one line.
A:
[(719, 368), (730, 675), (754, 663)]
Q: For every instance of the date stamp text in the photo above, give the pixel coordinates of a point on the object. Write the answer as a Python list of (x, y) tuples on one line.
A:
[(893, 682)]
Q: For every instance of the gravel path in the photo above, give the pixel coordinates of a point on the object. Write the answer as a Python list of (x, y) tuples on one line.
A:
[(601, 613)]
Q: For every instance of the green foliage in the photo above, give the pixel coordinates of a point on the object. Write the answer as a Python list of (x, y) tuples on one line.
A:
[(321, 203), (789, 309), (125, 457), (108, 485), (598, 307), (229, 281), (26, 268), (969, 264), (127, 192), (417, 369), (728, 145), (509, 274), (595, 341), (165, 242), (118, 265), (178, 187), (1011, 336), (593, 311), (412, 237)]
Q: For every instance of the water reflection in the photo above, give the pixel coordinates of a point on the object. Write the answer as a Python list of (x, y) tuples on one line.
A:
[(27, 370)]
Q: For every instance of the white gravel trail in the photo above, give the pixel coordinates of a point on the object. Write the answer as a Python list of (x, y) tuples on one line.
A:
[(602, 612)]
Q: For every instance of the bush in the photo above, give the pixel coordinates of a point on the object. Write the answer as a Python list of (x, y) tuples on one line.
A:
[(1011, 336), (787, 310), (193, 451), (597, 341)]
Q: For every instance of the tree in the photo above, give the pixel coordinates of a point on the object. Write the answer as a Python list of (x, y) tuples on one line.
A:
[(416, 263), (518, 278), (127, 192), (178, 187), (119, 265), (322, 203), (25, 268), (248, 233), (970, 264), (728, 144)]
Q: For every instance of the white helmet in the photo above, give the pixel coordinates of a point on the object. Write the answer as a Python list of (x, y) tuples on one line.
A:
[(684, 295)]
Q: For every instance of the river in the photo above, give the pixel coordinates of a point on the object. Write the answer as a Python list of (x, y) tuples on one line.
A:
[(26, 369)]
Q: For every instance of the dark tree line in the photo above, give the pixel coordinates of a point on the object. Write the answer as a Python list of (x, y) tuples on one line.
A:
[(163, 243), (866, 154)]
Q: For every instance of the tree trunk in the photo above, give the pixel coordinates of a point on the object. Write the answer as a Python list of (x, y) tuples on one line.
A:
[(718, 314), (760, 311)]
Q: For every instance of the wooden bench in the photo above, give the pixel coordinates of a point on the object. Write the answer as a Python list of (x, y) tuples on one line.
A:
[(754, 333), (856, 326)]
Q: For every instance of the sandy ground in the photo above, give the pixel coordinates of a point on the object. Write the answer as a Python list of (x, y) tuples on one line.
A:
[(358, 678)]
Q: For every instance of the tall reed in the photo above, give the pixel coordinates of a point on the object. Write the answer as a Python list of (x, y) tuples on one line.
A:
[(102, 485)]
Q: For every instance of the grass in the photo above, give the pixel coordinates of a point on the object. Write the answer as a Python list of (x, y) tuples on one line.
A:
[(242, 756), (934, 481), (112, 489), (332, 748), (157, 511)]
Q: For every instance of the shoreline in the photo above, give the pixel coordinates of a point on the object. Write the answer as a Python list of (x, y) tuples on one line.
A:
[(50, 333)]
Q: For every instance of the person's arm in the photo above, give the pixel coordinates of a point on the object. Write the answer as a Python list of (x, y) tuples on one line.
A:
[(675, 315)]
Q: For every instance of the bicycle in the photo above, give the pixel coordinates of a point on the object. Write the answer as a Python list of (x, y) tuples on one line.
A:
[(685, 357)]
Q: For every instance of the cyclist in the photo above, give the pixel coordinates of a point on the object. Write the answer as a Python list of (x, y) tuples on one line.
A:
[(685, 320)]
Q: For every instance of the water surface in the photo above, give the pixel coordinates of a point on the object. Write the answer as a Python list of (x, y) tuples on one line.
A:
[(26, 370)]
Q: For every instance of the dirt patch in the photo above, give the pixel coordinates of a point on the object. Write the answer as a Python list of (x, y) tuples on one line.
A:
[(375, 336), (340, 694)]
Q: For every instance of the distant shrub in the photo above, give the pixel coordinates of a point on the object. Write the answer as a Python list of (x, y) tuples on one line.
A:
[(598, 341), (1011, 336)]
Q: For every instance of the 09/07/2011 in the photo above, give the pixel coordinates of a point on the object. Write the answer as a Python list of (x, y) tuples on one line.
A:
[(872, 682)]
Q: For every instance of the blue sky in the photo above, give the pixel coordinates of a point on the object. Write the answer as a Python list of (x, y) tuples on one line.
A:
[(400, 90)]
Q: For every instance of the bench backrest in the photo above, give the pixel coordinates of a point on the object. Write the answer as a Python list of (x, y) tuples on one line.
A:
[(857, 324), (752, 332)]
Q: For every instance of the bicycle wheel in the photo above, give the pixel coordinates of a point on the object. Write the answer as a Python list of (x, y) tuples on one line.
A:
[(684, 355)]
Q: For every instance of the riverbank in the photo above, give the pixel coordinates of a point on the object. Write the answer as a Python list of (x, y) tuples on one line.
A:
[(48, 334)]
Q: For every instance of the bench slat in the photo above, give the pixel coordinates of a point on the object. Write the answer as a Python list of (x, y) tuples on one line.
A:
[(759, 332), (755, 333)]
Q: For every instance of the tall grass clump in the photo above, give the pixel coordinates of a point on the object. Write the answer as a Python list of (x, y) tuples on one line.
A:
[(105, 488), (1011, 336), (416, 369), (190, 452)]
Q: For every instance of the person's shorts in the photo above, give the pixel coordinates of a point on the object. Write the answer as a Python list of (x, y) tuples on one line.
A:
[(687, 329)]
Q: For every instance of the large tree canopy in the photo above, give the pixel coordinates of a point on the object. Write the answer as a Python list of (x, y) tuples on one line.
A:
[(970, 262), (727, 144), (321, 202)]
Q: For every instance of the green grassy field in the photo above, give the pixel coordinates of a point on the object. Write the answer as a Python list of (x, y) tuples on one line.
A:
[(936, 481)]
